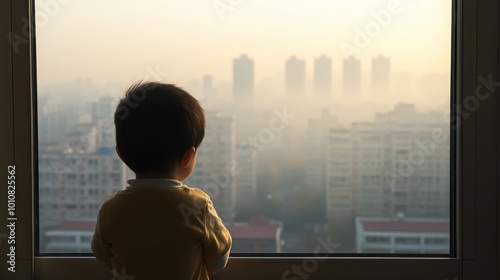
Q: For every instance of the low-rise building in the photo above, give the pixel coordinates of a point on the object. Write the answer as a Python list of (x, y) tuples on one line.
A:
[(260, 235), (402, 236)]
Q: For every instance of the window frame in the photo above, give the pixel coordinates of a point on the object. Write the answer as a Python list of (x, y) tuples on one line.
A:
[(476, 47)]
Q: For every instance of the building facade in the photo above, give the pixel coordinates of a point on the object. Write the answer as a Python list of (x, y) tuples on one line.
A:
[(214, 171), (317, 146), (246, 178), (73, 186), (395, 164)]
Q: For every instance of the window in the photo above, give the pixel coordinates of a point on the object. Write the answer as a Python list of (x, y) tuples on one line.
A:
[(344, 77), (482, 60)]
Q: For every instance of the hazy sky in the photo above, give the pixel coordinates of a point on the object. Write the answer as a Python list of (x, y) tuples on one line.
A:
[(120, 40)]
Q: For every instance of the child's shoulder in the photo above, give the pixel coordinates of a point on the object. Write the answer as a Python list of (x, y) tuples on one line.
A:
[(198, 198), (196, 194), (109, 199)]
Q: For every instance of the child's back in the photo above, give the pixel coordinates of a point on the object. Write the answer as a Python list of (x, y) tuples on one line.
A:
[(158, 228)]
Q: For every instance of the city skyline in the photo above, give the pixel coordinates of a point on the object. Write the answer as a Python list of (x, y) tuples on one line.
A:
[(202, 43), (309, 105), (79, 169), (372, 79)]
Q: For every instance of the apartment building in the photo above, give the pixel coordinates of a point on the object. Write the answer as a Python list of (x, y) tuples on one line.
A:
[(214, 171), (397, 163)]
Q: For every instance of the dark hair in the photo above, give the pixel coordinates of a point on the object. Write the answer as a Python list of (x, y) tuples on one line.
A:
[(155, 125)]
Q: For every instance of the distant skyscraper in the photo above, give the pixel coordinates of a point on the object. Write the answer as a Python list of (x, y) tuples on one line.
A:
[(243, 78), (208, 86), (352, 76), (380, 74), (295, 76), (323, 76)]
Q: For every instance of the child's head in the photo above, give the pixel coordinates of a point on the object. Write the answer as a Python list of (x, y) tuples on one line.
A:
[(158, 127)]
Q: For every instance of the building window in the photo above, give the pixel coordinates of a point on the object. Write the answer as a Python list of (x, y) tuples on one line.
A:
[(436, 241), (378, 239), (407, 240)]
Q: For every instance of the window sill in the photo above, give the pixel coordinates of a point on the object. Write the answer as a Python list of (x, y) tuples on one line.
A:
[(55, 268)]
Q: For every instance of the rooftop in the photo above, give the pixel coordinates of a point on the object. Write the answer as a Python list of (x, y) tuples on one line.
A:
[(259, 228)]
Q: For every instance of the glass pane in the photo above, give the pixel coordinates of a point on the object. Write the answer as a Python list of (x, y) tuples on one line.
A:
[(327, 121)]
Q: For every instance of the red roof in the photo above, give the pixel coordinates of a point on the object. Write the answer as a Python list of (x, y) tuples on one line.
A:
[(253, 231), (259, 228), (406, 226), (77, 225)]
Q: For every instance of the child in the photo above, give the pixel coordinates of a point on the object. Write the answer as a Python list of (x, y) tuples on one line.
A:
[(158, 228)]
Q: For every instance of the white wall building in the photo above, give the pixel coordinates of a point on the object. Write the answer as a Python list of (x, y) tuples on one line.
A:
[(70, 237), (403, 236), (259, 235), (73, 186)]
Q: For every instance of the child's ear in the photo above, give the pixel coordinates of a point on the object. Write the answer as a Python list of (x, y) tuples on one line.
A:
[(188, 157)]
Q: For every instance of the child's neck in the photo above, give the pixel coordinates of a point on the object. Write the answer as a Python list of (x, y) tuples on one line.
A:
[(169, 175)]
